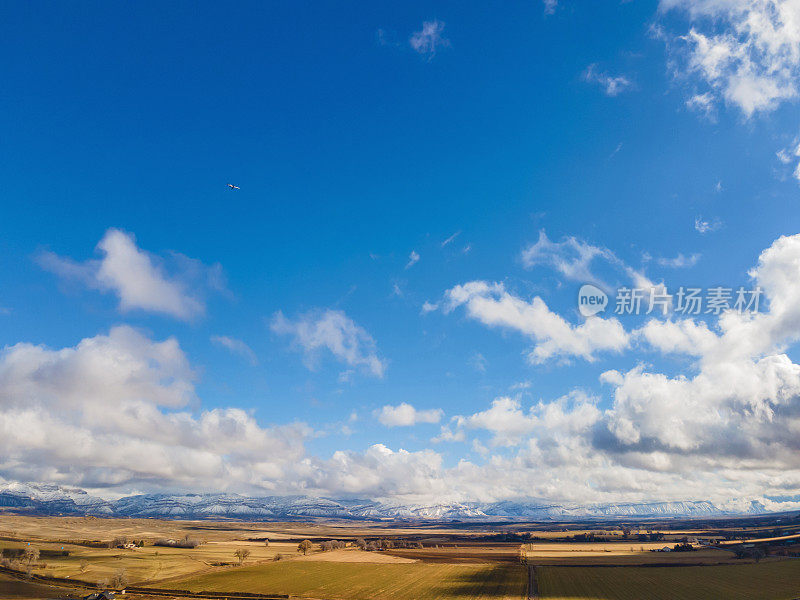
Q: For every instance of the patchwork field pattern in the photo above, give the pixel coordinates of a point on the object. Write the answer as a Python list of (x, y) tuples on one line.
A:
[(764, 581)]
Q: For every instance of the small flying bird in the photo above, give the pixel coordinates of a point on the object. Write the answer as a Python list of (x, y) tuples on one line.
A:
[(234, 187)]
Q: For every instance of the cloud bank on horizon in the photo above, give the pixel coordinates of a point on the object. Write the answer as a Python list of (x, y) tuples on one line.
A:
[(727, 430)]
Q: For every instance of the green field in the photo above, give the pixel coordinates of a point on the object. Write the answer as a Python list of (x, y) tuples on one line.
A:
[(360, 581), (764, 581)]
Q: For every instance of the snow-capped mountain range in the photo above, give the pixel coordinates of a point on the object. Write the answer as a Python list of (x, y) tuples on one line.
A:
[(53, 500)]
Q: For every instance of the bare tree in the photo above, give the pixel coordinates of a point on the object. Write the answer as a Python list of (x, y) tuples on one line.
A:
[(266, 541), (31, 555), (84, 564), (304, 546), (120, 579), (242, 554)]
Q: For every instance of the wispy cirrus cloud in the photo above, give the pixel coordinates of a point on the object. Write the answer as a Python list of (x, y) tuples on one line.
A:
[(612, 85), (236, 346), (790, 156), (413, 259), (573, 258), (680, 261), (702, 225), (450, 239), (428, 40), (334, 332)]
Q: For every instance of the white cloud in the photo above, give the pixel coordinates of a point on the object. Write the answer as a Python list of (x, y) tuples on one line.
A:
[(493, 306), (612, 85), (109, 412), (405, 415), (381, 472), (429, 39), (509, 424), (791, 155), (703, 226), (478, 362), (119, 411), (741, 411), (429, 307), (680, 261), (235, 346), (334, 331), (746, 52), (413, 259), (573, 258), (140, 279), (450, 239), (703, 104), (550, 6)]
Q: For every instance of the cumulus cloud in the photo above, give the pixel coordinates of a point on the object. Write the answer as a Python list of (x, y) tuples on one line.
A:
[(612, 85), (741, 411), (490, 304), (120, 411), (334, 331), (111, 411), (236, 346), (405, 415), (429, 39), (509, 424), (139, 279), (114, 413), (381, 472), (745, 52)]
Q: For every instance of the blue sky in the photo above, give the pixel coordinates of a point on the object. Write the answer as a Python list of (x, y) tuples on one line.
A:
[(388, 154)]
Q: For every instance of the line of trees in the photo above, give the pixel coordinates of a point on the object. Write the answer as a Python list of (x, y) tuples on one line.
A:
[(385, 544), (184, 542)]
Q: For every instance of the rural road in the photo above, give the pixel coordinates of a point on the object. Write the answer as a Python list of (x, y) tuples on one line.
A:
[(533, 590)]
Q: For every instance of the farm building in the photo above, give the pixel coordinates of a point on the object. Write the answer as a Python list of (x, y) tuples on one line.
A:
[(105, 595)]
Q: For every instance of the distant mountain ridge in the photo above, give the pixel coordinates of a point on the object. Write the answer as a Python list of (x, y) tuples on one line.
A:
[(54, 500)]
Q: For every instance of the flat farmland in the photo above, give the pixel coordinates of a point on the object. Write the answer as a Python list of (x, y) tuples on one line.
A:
[(621, 553), (778, 580), (366, 581), (463, 553), (149, 563)]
